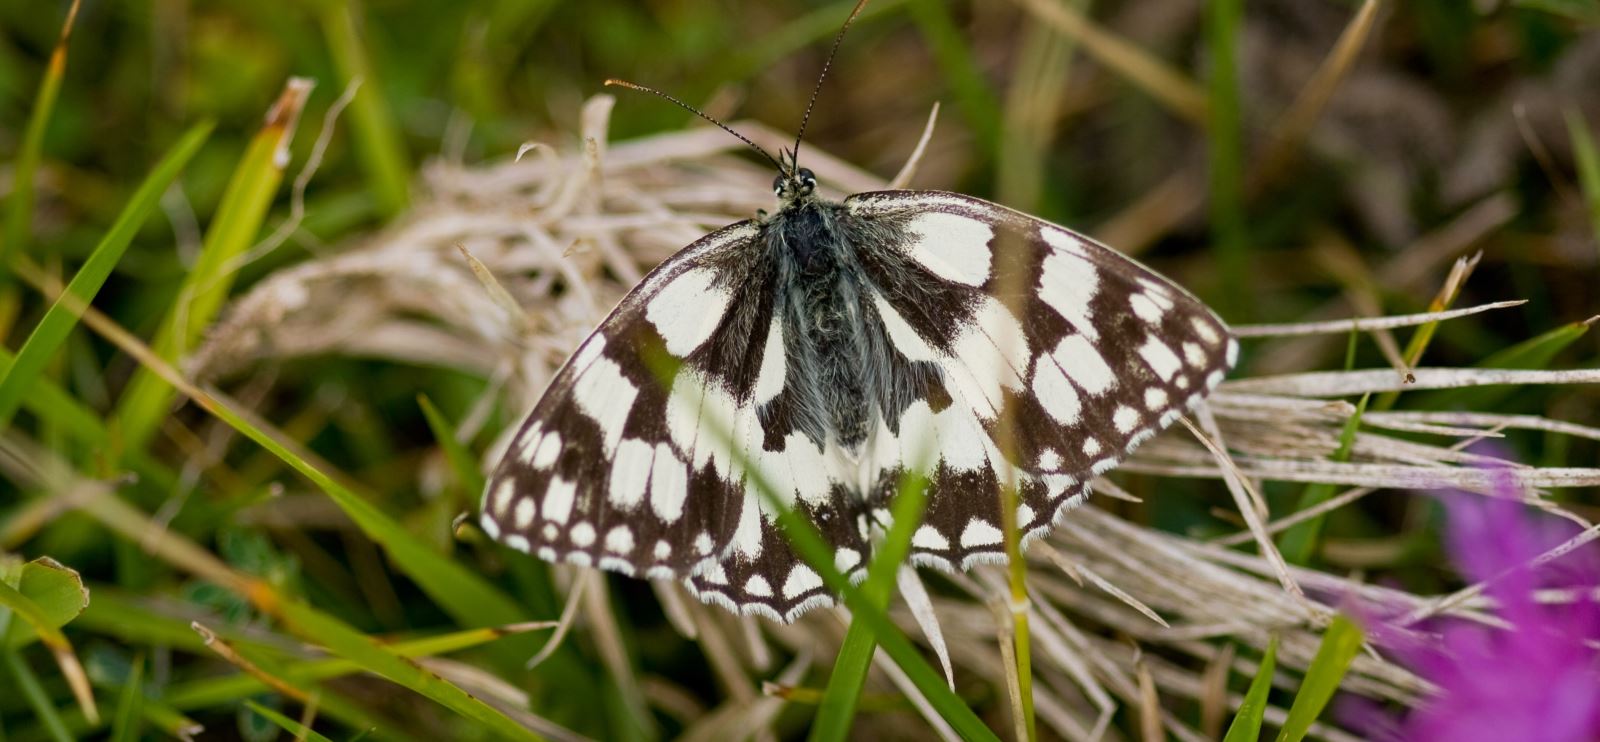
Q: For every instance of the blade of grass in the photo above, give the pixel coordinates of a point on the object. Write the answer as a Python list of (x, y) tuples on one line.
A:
[(1587, 162), (973, 96), (837, 709), (1340, 643), (1299, 543), (376, 135), (125, 726), (233, 230), (1167, 86), (30, 362), (1537, 352), (1246, 726), (287, 724), (1225, 136), (19, 206), (344, 641), (461, 461), (34, 694)]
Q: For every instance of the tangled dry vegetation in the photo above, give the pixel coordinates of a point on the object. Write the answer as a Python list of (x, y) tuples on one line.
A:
[(1124, 616)]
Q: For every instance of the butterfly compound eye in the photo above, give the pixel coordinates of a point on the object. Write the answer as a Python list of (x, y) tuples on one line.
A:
[(777, 185), (808, 180)]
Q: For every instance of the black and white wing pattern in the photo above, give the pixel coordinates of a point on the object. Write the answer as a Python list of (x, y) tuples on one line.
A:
[(827, 349), (1087, 352), (622, 468)]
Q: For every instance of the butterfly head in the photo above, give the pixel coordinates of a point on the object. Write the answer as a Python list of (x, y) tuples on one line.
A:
[(799, 184)]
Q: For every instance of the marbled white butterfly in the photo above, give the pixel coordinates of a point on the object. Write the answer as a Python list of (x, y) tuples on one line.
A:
[(829, 346)]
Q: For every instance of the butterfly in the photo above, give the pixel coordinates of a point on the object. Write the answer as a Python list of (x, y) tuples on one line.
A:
[(828, 348)]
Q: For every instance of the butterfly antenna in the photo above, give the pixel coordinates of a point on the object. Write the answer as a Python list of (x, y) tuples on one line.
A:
[(701, 114), (806, 119)]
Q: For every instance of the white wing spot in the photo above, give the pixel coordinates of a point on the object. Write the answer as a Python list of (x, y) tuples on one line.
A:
[(1125, 418), (687, 310), (605, 395), (582, 535), (1078, 358), (1160, 358), (669, 484), (1206, 330), (747, 536), (769, 380), (702, 544), (551, 532), (716, 575), (928, 537), (1091, 446), (663, 550), (901, 333), (500, 498), (549, 448), (619, 540), (846, 559), (1194, 354), (1146, 308), (1024, 516), (801, 581), (630, 473), (1068, 284), (524, 513), (558, 499), (951, 246), (980, 533), (490, 527), (757, 586), (1055, 393), (519, 542), (1049, 460), (1232, 354), (1155, 398)]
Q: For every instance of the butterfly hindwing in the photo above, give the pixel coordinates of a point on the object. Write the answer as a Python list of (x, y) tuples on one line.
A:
[(1084, 352), (607, 470)]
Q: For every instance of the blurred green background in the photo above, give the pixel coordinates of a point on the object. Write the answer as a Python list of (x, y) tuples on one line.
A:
[(1456, 127)]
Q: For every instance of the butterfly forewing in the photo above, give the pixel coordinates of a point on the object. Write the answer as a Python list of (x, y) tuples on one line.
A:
[(1084, 352)]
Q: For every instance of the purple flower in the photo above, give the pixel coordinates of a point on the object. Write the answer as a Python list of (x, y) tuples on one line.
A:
[(1537, 679)]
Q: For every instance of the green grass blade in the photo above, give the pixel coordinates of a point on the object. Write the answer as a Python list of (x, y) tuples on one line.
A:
[(375, 134), (973, 96), (1299, 543), (287, 724), (19, 204), (23, 679), (63, 315), (1587, 159), (1339, 646), (1225, 137), (125, 726), (232, 231), (837, 708), (1246, 726), (1537, 352), (344, 641), (461, 461)]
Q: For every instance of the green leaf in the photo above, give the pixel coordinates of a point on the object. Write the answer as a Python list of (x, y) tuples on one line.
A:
[(63, 314), (1340, 643), (1534, 353), (55, 595), (374, 131), (1225, 135), (1587, 159), (1246, 726), (289, 725)]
